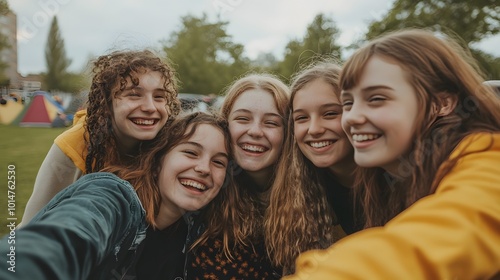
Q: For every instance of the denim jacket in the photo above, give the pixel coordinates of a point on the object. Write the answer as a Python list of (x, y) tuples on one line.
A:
[(90, 230)]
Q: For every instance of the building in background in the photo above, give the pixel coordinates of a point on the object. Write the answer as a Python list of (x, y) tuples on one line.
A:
[(8, 27)]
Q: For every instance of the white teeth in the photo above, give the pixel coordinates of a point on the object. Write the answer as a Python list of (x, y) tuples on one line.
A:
[(194, 184), (320, 144), (144, 122), (253, 148), (364, 137)]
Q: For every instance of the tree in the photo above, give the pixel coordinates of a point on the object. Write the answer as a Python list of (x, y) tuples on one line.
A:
[(318, 42), (472, 21), (204, 56), (55, 57), (4, 80), (4, 7)]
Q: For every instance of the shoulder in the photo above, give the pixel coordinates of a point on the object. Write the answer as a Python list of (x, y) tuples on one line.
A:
[(475, 163), (477, 142)]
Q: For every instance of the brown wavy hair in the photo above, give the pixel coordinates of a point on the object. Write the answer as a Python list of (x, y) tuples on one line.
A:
[(110, 74), (143, 174), (437, 68), (239, 217), (299, 217)]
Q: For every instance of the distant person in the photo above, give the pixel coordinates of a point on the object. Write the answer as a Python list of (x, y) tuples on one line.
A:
[(96, 227), (60, 121), (132, 95), (426, 132)]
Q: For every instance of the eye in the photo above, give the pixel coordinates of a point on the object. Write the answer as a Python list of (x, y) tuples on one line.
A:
[(272, 123), (346, 105), (190, 152), (376, 100), (160, 96), (131, 93), (333, 113), (220, 163), (299, 118)]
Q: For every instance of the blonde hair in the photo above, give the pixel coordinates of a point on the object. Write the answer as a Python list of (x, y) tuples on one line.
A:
[(239, 217), (299, 217)]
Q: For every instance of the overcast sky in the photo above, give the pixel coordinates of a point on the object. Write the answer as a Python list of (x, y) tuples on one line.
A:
[(93, 27)]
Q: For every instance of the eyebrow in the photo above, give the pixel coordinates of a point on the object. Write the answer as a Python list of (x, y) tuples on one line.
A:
[(141, 88), (198, 145), (372, 88), (249, 112), (335, 104), (365, 90)]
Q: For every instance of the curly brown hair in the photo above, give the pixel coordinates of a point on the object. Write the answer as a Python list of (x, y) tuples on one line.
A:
[(111, 73)]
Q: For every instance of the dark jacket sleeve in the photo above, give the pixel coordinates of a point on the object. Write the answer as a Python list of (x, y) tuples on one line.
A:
[(75, 232)]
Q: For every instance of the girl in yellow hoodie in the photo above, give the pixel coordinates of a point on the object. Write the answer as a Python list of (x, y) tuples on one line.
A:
[(426, 133)]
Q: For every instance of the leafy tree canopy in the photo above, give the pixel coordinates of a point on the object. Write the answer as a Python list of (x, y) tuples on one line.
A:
[(471, 21), (318, 42), (204, 55)]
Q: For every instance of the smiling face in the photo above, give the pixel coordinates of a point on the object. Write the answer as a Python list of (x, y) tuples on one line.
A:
[(257, 130), (193, 172), (139, 112), (317, 125), (380, 114)]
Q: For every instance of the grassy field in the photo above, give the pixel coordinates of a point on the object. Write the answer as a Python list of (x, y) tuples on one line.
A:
[(25, 148)]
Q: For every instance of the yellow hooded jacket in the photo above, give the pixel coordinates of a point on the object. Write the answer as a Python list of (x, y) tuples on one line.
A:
[(451, 234)]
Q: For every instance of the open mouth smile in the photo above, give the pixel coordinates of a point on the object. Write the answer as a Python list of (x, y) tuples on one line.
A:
[(364, 137), (193, 185)]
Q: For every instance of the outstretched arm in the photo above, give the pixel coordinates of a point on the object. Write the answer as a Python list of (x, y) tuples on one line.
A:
[(75, 232), (56, 173)]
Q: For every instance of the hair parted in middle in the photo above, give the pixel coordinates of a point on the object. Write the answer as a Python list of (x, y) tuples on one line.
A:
[(299, 217), (240, 215)]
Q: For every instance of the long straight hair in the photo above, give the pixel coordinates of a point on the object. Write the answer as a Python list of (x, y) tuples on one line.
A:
[(436, 68), (239, 218)]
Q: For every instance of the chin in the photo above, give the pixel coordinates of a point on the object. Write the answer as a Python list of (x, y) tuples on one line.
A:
[(365, 163)]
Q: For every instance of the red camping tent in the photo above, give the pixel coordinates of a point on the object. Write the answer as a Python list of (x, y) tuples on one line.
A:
[(41, 111)]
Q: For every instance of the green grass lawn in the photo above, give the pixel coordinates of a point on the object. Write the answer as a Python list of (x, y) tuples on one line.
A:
[(25, 148)]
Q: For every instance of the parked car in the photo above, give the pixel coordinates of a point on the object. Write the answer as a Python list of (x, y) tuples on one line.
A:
[(193, 102)]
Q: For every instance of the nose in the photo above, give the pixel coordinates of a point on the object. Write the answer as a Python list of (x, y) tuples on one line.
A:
[(353, 116), (203, 166), (255, 130), (148, 104), (315, 127)]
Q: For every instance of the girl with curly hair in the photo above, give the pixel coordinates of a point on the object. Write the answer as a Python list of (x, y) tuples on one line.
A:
[(426, 136), (133, 94)]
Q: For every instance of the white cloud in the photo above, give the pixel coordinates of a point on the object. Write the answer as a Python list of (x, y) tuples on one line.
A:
[(93, 27)]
